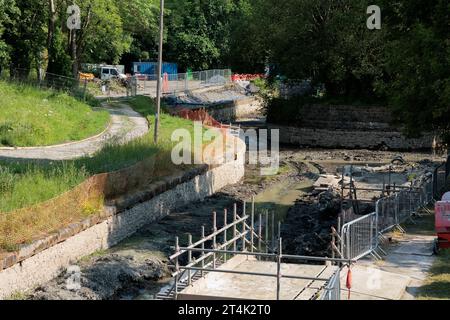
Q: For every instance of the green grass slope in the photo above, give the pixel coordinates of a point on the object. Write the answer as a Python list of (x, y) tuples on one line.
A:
[(32, 117)]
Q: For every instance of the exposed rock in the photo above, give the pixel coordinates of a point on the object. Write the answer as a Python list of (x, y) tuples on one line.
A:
[(307, 229), (106, 277)]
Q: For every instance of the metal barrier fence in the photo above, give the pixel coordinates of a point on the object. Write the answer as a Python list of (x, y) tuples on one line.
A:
[(136, 85), (361, 237), (181, 82), (439, 181), (332, 290), (47, 80)]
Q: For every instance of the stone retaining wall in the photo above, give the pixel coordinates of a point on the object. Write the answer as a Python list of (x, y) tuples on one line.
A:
[(351, 139), (232, 111), (45, 259)]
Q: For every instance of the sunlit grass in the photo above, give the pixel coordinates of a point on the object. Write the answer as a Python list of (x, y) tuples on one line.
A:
[(437, 285), (24, 184), (33, 117)]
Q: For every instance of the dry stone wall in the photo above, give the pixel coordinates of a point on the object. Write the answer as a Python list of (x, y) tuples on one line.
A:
[(348, 127)]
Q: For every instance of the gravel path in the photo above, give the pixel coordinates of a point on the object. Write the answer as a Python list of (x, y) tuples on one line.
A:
[(125, 125)]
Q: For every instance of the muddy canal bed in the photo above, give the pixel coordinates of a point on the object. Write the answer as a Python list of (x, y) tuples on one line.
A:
[(138, 268)]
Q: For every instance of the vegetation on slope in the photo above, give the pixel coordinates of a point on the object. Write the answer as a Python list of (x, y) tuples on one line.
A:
[(32, 117), (24, 184)]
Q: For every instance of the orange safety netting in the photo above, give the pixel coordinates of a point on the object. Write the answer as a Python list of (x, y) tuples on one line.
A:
[(165, 88), (203, 116), (247, 77)]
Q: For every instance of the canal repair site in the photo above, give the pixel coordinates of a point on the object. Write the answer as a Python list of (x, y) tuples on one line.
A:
[(331, 225), (281, 247)]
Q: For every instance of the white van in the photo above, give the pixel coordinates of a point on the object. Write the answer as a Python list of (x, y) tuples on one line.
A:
[(107, 73)]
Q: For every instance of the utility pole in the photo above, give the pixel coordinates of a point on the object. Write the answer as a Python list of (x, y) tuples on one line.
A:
[(160, 62)]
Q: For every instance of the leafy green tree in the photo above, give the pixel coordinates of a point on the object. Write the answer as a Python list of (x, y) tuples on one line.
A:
[(141, 22), (199, 32), (417, 64), (326, 41), (7, 10), (248, 52), (102, 37)]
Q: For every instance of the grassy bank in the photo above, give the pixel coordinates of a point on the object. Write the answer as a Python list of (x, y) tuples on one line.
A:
[(32, 117), (26, 183), (437, 285)]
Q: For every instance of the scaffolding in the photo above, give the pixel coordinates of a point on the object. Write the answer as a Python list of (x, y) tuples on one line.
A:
[(247, 235)]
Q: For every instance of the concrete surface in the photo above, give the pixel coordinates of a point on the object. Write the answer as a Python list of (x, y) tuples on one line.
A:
[(398, 276), (374, 284), (239, 286)]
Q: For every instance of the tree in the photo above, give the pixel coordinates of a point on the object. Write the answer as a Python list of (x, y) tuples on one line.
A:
[(141, 23), (100, 39), (24, 34), (7, 10), (199, 32), (417, 64), (326, 41)]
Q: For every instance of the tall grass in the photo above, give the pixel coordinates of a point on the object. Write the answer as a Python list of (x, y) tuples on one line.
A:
[(24, 184), (33, 117)]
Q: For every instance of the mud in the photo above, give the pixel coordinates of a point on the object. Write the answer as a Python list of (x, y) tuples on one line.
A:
[(138, 268), (307, 229)]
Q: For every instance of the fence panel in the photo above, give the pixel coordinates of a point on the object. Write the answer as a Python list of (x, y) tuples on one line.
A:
[(404, 206), (181, 82), (439, 181), (360, 237), (332, 290), (387, 210)]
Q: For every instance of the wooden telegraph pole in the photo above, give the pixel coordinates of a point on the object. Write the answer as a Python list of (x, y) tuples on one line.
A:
[(160, 62)]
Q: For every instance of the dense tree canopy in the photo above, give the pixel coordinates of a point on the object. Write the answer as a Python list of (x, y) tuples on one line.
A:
[(8, 10), (406, 64), (417, 64)]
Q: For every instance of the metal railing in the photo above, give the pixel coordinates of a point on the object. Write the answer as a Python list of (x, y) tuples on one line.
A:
[(332, 290), (244, 236), (47, 80), (361, 237), (182, 82)]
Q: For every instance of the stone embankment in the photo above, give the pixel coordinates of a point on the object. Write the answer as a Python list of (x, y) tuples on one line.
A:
[(43, 260), (348, 127)]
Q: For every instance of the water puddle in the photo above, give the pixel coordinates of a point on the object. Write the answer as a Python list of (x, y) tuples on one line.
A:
[(281, 197)]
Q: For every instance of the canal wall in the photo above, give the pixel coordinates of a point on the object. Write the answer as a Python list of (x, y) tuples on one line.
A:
[(235, 110), (43, 260), (351, 127)]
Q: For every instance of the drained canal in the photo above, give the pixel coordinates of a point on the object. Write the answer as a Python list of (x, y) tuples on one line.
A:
[(138, 268)]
